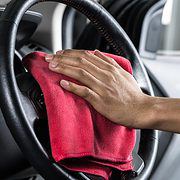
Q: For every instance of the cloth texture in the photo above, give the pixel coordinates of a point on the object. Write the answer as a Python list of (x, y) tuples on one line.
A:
[(81, 138)]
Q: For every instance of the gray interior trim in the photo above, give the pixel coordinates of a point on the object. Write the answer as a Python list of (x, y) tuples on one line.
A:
[(68, 27), (147, 20), (49, 32), (4, 2), (166, 74), (29, 16), (169, 166)]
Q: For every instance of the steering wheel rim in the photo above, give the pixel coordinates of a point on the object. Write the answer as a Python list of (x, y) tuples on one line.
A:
[(11, 99)]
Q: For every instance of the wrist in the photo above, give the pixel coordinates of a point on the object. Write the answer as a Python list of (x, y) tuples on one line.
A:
[(146, 113), (158, 113)]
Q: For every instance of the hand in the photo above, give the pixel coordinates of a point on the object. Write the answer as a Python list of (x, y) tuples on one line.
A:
[(111, 90)]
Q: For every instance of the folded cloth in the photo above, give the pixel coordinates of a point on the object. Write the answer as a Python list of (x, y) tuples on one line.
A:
[(81, 138)]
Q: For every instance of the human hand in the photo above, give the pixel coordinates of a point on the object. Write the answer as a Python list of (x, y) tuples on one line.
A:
[(111, 90)]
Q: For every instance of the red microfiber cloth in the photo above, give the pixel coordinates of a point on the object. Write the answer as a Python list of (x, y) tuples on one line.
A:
[(81, 138)]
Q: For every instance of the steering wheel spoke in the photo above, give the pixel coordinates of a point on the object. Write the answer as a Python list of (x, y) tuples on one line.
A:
[(32, 97), (33, 104)]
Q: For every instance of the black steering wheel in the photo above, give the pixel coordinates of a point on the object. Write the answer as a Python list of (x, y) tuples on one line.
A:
[(18, 104)]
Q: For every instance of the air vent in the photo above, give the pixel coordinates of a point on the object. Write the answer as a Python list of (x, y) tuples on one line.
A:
[(31, 47)]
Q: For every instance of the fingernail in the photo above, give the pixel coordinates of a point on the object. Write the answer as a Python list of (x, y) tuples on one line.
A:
[(97, 51), (53, 64), (49, 57), (64, 84), (60, 52)]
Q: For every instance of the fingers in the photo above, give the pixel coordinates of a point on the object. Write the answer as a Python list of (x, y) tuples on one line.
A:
[(77, 73), (97, 61), (106, 58), (81, 91), (80, 63)]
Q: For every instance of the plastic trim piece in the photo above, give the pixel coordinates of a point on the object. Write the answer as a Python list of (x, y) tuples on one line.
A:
[(147, 19)]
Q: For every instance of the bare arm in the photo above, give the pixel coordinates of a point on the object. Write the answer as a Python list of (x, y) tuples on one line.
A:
[(164, 113), (113, 92)]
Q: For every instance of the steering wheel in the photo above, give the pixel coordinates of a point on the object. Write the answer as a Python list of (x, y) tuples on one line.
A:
[(20, 108)]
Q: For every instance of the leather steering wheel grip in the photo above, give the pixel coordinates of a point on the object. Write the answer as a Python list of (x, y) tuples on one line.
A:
[(11, 102)]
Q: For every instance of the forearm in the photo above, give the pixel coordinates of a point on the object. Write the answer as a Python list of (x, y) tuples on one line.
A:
[(161, 113)]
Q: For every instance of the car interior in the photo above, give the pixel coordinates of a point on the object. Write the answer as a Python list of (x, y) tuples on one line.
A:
[(143, 31)]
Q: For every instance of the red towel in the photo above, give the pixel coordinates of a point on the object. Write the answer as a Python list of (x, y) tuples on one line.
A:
[(81, 138)]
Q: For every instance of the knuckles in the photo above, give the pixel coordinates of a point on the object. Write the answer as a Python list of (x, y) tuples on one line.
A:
[(67, 51), (79, 55), (111, 68), (81, 61), (62, 66), (82, 53), (82, 73), (86, 93), (85, 53), (111, 78)]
